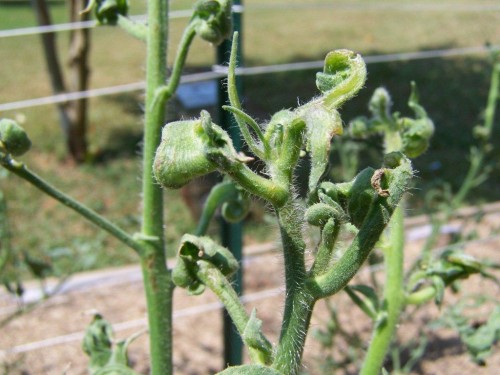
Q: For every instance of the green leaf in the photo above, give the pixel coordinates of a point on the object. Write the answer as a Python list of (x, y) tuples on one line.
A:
[(369, 304), (253, 337), (38, 267), (194, 248), (181, 154), (479, 342), (97, 343)]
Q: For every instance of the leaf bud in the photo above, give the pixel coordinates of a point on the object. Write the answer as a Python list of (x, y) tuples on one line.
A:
[(416, 136), (380, 103), (358, 128), (214, 20), (13, 137), (107, 11)]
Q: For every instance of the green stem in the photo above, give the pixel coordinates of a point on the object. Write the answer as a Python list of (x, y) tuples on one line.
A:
[(22, 171), (299, 303), (329, 236), (241, 117), (393, 297), (475, 167), (220, 285), (136, 29), (349, 264), (219, 194), (489, 114), (165, 92), (157, 279)]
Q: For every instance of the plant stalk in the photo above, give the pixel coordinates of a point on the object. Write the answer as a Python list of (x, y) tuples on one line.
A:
[(299, 302), (157, 280), (393, 298), (23, 172)]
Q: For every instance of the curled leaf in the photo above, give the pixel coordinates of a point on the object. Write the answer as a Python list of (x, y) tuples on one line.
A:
[(322, 125), (236, 209), (213, 20), (182, 153), (195, 248), (343, 76)]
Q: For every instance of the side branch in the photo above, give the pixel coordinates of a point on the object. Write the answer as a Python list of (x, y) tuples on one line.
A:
[(22, 171)]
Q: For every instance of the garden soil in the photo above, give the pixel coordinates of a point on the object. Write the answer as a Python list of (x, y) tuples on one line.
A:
[(47, 340)]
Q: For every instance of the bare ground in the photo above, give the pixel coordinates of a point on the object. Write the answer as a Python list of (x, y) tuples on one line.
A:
[(47, 340)]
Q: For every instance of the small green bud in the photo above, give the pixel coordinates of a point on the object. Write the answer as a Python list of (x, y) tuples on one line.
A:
[(13, 137), (380, 103), (107, 11), (214, 20), (481, 133), (416, 135), (97, 342), (394, 159), (359, 127)]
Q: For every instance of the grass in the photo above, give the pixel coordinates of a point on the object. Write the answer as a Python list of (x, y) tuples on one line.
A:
[(453, 91)]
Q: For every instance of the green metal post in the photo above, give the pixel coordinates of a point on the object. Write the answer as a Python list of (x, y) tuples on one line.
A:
[(231, 233)]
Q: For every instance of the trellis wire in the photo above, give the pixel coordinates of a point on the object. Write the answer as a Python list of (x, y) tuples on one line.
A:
[(185, 13), (200, 309), (221, 71)]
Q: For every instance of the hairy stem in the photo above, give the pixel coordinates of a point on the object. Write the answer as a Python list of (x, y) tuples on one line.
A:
[(157, 279), (299, 303), (394, 297), (165, 92), (349, 264)]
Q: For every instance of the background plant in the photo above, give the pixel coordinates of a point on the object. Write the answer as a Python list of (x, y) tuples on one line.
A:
[(427, 278)]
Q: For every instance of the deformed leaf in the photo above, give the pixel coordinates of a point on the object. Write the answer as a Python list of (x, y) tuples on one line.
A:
[(321, 125), (194, 248), (252, 335), (97, 342), (343, 76)]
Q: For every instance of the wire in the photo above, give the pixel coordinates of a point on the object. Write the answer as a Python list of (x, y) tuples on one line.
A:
[(413, 7), (221, 71), (186, 13)]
